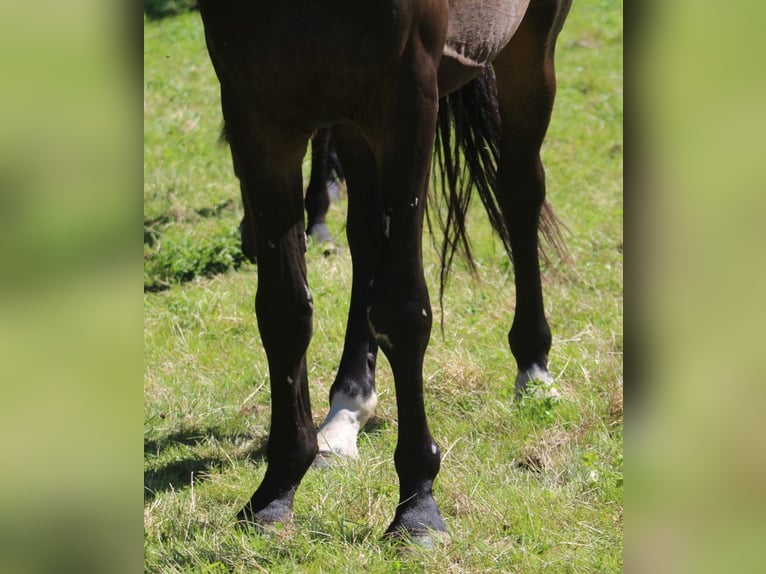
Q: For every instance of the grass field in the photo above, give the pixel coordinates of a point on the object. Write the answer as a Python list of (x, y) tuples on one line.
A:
[(533, 486)]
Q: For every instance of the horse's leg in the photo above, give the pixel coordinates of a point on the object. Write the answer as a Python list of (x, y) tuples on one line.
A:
[(334, 166), (526, 89), (317, 196), (400, 311), (317, 200), (283, 307), (352, 395), (269, 167)]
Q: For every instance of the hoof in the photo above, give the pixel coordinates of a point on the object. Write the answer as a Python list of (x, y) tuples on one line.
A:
[(329, 458), (320, 233), (268, 518), (418, 522), (337, 442), (341, 451), (422, 538), (536, 382)]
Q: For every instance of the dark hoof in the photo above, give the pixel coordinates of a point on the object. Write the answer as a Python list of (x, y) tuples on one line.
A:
[(418, 522), (278, 511)]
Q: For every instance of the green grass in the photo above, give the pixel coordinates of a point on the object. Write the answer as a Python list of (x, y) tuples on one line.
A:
[(524, 487)]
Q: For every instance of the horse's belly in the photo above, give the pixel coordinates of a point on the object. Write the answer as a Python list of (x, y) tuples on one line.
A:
[(477, 31)]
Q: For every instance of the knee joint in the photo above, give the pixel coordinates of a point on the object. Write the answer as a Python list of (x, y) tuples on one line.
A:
[(283, 320)]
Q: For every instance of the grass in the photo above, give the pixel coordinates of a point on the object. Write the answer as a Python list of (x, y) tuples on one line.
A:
[(533, 486)]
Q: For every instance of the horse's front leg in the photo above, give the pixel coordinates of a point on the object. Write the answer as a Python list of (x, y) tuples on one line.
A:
[(273, 191), (283, 307), (400, 312)]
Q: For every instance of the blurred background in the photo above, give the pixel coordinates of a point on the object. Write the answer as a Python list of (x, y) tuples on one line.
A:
[(70, 293), (696, 462), (71, 302)]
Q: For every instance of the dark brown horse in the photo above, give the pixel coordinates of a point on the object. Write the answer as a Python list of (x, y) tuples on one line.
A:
[(376, 71)]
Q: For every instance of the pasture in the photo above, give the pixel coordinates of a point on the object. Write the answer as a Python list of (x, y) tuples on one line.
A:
[(530, 486)]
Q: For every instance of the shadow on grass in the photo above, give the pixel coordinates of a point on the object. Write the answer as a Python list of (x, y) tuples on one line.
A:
[(193, 436), (186, 467), (179, 472), (178, 475)]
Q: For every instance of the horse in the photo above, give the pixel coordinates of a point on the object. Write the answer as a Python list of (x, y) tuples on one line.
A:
[(389, 77), (326, 175)]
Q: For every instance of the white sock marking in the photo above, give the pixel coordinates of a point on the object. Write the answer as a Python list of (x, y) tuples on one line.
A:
[(344, 421)]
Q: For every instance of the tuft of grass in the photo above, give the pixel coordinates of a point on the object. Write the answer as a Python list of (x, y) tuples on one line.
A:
[(525, 486), (186, 257)]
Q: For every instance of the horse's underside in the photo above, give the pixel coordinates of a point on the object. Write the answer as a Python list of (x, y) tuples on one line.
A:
[(375, 72)]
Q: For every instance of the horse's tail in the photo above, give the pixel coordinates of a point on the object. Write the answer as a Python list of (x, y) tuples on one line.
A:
[(467, 150)]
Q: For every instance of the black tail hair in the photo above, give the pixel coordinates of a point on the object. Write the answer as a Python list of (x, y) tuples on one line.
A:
[(467, 149)]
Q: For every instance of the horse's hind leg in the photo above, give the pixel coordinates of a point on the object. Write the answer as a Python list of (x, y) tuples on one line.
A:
[(269, 167), (352, 396), (317, 195), (526, 89)]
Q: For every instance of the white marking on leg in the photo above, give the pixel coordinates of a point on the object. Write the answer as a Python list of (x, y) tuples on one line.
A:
[(290, 380), (344, 421), (434, 448), (425, 313)]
